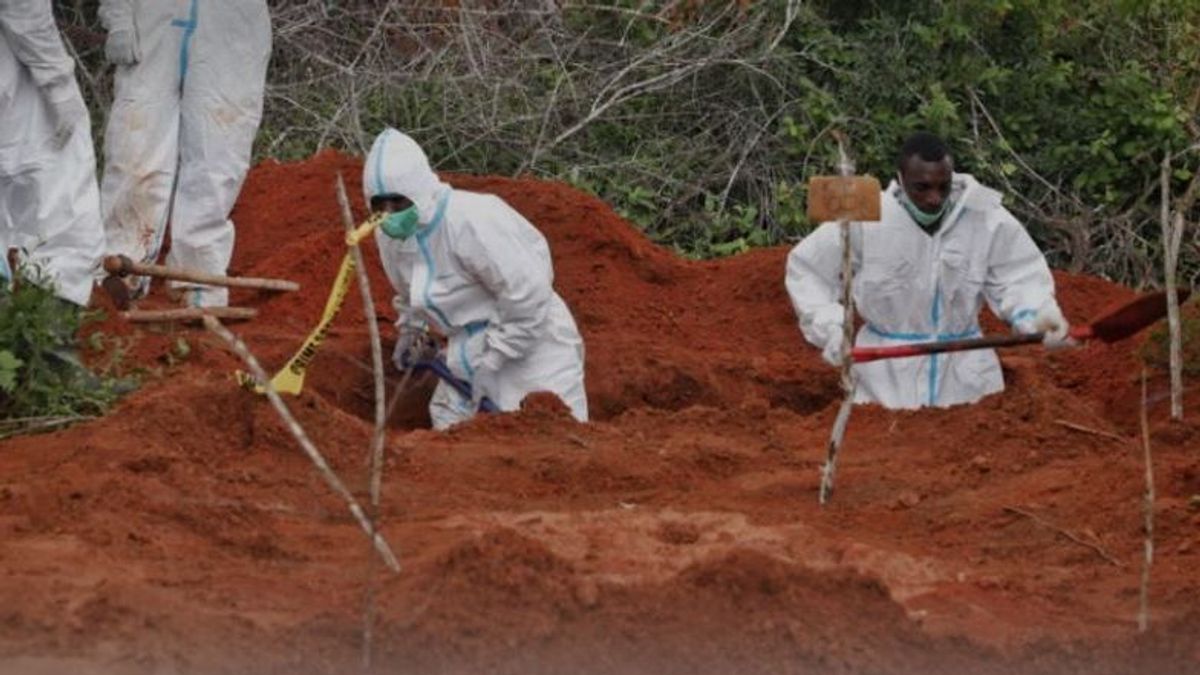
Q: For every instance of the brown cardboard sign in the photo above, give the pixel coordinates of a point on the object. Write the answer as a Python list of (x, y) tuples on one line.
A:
[(843, 197)]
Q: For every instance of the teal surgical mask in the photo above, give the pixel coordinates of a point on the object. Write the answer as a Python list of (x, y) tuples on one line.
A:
[(923, 218), (401, 224)]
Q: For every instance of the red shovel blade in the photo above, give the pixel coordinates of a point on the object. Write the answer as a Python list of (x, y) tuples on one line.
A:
[(1127, 320)]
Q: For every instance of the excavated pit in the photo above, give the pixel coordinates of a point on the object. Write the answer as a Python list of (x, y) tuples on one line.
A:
[(679, 532)]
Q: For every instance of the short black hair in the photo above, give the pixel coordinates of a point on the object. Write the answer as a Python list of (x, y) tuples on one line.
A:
[(925, 145)]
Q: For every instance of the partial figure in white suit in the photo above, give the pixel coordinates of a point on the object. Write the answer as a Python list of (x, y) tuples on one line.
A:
[(49, 207), (189, 94), (944, 246)]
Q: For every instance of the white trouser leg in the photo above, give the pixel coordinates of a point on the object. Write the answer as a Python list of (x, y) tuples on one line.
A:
[(70, 238), (141, 145)]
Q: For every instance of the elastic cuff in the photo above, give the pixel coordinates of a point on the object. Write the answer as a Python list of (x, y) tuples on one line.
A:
[(1022, 315), (1024, 327)]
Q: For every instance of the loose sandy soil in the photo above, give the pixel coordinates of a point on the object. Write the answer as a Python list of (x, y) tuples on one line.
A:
[(678, 532)]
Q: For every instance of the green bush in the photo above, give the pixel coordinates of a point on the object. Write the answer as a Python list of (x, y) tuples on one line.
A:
[(40, 376), (702, 125)]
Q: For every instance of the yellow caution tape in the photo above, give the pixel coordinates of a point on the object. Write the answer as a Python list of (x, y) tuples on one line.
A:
[(290, 379), (363, 231)]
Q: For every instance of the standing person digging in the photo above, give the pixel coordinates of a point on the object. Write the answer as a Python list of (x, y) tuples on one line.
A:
[(470, 267), (190, 76), (943, 246)]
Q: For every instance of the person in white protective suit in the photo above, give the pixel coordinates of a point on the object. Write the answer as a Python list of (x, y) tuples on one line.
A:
[(49, 207), (188, 100), (945, 244), (468, 266)]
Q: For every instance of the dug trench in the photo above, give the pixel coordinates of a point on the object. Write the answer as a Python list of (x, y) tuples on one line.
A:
[(678, 532)]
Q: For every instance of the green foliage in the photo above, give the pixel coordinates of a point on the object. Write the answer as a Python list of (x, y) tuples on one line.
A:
[(40, 375), (701, 122), (10, 366)]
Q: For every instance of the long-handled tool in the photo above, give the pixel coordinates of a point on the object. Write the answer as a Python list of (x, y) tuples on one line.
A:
[(189, 314), (1118, 324), (122, 266), (439, 368)]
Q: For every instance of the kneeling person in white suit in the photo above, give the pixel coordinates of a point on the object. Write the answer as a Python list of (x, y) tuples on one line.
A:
[(472, 268), (945, 245)]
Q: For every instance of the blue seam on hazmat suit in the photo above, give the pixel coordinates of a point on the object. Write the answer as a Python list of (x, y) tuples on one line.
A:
[(935, 315), (933, 360), (189, 29), (923, 337), (185, 45), (473, 329), (422, 236)]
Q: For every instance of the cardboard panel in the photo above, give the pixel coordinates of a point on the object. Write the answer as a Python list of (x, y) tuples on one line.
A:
[(849, 197)]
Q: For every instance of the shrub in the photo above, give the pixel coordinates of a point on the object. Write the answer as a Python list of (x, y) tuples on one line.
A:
[(37, 330), (702, 121)]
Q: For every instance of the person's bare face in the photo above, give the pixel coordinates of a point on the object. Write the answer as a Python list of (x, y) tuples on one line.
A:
[(927, 183), (390, 203)]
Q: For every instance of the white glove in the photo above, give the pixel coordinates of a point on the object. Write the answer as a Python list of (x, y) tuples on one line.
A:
[(67, 114), (121, 48), (483, 384), (412, 345), (832, 351), (1051, 322)]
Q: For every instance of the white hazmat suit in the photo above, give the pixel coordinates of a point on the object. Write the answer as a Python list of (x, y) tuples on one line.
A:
[(189, 93), (49, 207), (910, 286), (481, 274)]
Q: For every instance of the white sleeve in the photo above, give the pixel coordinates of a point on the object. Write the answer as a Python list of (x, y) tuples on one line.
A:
[(814, 272), (504, 252), (397, 265), (34, 38), (1018, 282), (116, 14)]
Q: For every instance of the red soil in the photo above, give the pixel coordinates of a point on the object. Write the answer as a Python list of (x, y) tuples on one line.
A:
[(677, 533)]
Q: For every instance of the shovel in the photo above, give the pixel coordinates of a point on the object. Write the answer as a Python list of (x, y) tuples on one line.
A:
[(1120, 323), (463, 387)]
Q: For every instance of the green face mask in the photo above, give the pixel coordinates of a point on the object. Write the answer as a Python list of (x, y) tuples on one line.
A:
[(923, 218), (401, 224)]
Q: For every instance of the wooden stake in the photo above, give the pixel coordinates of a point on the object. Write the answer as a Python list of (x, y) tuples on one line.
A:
[(1148, 517), (837, 435), (376, 451), (1172, 237), (123, 266), (189, 314), (318, 460)]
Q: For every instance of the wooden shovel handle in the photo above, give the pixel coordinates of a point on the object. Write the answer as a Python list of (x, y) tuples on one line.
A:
[(122, 266), (1118, 324), (865, 354), (189, 314)]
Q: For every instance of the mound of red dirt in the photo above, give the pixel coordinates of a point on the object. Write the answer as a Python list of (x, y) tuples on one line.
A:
[(677, 533)]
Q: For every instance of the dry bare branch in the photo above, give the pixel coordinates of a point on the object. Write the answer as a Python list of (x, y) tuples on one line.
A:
[(1100, 551), (235, 343)]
